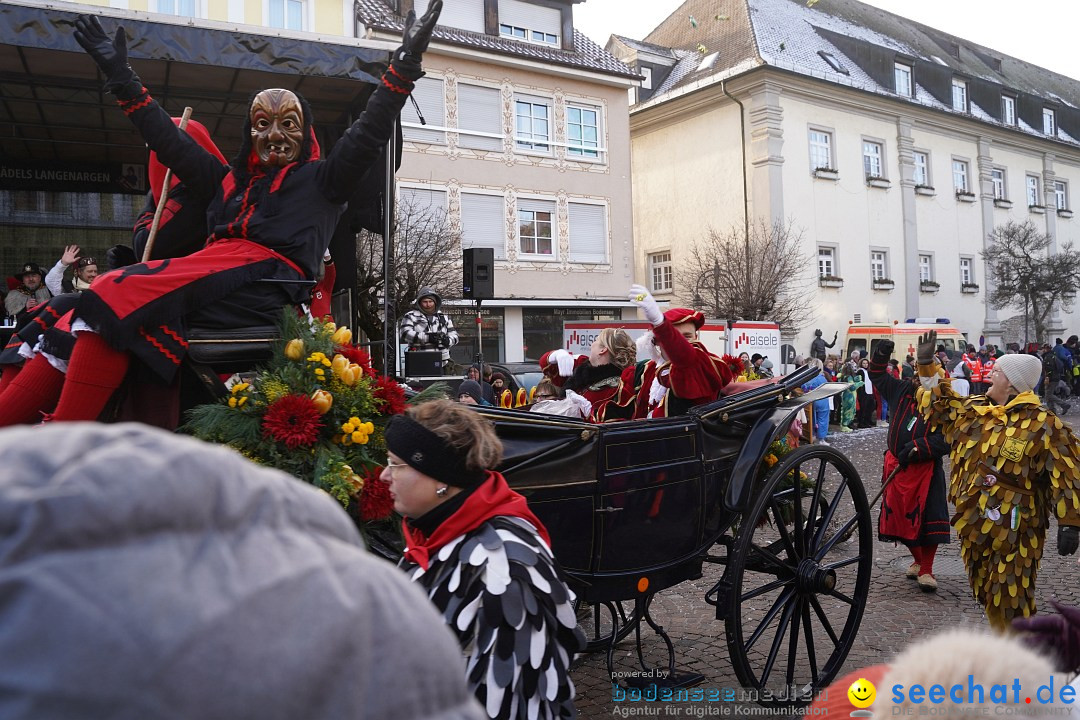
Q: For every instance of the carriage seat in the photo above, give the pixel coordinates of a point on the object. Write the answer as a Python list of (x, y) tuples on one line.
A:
[(233, 349)]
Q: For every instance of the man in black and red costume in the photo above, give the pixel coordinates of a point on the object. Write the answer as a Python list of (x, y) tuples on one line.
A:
[(913, 507), (271, 216)]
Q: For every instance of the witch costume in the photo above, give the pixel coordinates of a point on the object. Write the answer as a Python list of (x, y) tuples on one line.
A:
[(271, 216)]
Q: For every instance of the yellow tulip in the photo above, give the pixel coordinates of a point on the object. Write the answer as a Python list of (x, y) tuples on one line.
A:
[(357, 482), (322, 401), (340, 364), (342, 336), (352, 374), (294, 350)]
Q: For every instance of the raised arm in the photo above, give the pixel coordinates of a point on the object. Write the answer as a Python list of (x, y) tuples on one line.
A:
[(361, 144), (197, 168)]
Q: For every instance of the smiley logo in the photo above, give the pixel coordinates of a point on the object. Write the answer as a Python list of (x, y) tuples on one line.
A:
[(862, 692)]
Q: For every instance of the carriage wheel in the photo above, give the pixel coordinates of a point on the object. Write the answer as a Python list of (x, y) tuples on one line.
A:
[(800, 576)]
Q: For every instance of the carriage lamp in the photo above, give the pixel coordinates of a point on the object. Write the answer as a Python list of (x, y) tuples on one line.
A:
[(642, 584)]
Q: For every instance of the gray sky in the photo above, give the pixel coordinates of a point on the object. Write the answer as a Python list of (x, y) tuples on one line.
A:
[(1042, 32)]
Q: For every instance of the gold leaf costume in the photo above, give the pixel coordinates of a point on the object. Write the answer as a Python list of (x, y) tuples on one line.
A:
[(1012, 466)]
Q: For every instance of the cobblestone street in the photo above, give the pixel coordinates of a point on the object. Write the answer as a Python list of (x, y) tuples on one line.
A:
[(897, 612)]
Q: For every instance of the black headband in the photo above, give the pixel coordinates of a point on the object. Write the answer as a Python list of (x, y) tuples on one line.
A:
[(427, 452)]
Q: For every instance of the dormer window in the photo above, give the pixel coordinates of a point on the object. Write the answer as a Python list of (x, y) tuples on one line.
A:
[(1008, 109), (646, 77), (530, 23), (1049, 122), (902, 78), (833, 62), (959, 95)]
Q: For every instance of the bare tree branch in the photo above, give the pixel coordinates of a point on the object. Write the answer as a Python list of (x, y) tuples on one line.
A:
[(760, 277), (1021, 269), (425, 247)]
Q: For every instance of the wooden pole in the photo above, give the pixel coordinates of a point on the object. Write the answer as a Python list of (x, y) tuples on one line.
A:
[(164, 195)]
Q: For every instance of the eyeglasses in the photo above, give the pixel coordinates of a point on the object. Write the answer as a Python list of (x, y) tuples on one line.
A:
[(391, 466)]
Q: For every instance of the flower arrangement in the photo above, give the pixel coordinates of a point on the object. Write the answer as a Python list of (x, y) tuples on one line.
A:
[(317, 410)]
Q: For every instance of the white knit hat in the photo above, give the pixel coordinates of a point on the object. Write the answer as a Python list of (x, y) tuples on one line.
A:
[(1023, 371)]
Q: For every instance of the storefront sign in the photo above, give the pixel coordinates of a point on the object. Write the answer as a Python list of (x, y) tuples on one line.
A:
[(56, 177)]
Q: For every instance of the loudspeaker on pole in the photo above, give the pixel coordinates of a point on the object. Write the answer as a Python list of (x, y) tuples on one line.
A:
[(478, 274)]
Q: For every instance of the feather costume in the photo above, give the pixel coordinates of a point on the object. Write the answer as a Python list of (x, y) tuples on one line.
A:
[(1012, 466), (501, 592)]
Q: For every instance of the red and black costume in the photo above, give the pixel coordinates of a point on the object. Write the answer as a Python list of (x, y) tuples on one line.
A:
[(265, 222), (691, 375), (913, 507)]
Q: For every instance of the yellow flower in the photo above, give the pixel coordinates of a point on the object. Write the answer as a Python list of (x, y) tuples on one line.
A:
[(232, 402), (320, 372), (240, 387), (356, 481), (356, 421), (771, 460), (326, 362), (348, 428), (241, 401), (351, 374), (329, 326), (294, 350), (340, 364), (342, 336), (322, 401), (360, 438), (369, 428), (346, 440)]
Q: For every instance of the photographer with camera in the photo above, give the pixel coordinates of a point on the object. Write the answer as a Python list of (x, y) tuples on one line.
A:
[(425, 328)]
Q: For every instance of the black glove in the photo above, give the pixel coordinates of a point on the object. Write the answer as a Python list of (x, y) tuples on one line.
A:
[(119, 256), (417, 34), (438, 339), (908, 454), (927, 346), (110, 55), (1055, 635), (883, 352), (1068, 539)]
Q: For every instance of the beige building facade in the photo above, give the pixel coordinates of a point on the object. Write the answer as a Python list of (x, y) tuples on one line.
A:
[(894, 150), (525, 145)]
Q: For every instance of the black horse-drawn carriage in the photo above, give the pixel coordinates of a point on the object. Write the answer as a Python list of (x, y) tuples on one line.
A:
[(636, 507)]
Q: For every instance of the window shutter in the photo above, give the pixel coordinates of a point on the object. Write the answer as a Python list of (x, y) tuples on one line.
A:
[(464, 14), (482, 223), (537, 205), (479, 108), (429, 96), (588, 233), (421, 200), (530, 17)]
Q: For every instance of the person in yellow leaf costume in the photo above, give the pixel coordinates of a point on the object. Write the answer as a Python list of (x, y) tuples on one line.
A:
[(1013, 464)]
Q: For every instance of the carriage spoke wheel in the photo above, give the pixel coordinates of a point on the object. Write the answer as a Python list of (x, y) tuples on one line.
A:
[(800, 575)]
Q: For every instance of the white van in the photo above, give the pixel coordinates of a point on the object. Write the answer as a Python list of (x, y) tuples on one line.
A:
[(865, 337)]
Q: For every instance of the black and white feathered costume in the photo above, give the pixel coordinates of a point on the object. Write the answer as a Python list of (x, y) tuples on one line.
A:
[(500, 591)]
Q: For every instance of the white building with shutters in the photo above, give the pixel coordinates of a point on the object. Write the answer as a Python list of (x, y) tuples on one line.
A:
[(525, 143)]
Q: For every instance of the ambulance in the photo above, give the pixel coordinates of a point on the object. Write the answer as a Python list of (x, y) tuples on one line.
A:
[(865, 337)]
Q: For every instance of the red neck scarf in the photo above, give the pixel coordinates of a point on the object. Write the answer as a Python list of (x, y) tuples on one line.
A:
[(492, 499)]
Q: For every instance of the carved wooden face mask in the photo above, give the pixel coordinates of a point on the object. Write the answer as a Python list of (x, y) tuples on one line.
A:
[(277, 127)]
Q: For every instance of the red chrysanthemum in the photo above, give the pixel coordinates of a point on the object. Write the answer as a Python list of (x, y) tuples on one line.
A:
[(389, 397), (735, 364), (375, 500), (293, 420)]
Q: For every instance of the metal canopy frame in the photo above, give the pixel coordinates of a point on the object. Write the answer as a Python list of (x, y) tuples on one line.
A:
[(53, 108)]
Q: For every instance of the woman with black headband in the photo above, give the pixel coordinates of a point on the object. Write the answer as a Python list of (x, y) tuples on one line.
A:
[(484, 559)]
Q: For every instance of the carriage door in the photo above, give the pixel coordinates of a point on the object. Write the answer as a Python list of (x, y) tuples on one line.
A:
[(651, 494)]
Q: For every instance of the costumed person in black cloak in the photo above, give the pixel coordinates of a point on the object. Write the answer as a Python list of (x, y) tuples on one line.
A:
[(913, 507), (271, 216), (484, 560)]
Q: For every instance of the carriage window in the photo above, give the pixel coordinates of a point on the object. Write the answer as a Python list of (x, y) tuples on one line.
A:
[(854, 345)]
